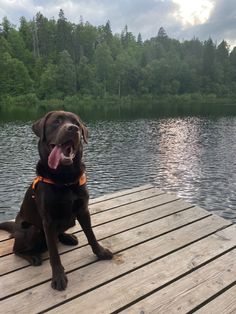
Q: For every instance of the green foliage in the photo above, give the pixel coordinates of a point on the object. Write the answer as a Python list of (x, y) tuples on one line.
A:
[(63, 33), (4, 45), (209, 52), (47, 63), (48, 82), (6, 27), (66, 74), (26, 101), (14, 77), (85, 76)]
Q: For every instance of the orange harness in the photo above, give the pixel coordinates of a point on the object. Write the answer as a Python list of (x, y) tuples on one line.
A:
[(81, 181)]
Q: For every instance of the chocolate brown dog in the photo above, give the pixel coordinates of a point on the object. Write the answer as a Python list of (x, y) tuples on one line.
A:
[(57, 197)]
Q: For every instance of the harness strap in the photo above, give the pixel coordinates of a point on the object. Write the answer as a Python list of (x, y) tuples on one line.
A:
[(81, 181)]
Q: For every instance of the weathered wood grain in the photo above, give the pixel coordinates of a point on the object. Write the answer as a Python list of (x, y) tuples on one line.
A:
[(170, 257)]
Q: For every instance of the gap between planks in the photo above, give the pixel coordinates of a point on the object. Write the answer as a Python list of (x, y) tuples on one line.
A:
[(108, 216), (81, 280), (224, 303), (125, 290), (125, 197), (110, 229), (140, 232), (129, 242)]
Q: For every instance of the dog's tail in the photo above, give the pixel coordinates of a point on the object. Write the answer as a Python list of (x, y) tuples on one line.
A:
[(8, 226)]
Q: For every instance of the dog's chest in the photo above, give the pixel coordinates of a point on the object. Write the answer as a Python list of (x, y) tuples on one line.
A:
[(62, 209)]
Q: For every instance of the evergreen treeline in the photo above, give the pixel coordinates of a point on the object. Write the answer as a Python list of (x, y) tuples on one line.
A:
[(45, 59)]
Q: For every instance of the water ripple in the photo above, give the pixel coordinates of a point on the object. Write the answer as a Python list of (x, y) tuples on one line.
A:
[(192, 157)]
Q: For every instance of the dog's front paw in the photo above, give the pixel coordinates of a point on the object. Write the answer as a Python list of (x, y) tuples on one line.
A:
[(59, 281), (103, 253)]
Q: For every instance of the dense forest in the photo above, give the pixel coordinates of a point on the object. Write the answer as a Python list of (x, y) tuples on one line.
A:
[(46, 60)]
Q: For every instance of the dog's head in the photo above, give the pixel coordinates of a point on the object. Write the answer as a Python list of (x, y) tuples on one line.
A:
[(60, 138)]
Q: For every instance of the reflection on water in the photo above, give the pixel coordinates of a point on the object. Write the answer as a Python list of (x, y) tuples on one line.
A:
[(191, 156), (196, 159)]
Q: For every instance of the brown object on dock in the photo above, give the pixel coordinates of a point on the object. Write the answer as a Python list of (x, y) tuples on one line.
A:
[(170, 257)]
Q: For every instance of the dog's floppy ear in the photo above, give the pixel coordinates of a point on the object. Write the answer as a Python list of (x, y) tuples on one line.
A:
[(39, 126), (85, 133), (84, 129)]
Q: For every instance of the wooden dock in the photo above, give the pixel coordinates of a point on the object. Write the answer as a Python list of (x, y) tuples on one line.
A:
[(170, 257)]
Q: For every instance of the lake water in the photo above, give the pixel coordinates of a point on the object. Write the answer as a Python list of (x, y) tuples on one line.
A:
[(190, 154)]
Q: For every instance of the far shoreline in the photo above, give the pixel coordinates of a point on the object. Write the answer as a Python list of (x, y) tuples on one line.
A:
[(28, 107)]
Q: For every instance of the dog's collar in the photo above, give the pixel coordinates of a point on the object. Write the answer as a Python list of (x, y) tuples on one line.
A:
[(80, 181)]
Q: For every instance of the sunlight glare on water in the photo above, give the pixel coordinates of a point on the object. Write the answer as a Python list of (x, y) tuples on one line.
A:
[(191, 156)]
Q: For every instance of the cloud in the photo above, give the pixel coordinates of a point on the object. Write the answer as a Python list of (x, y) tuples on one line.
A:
[(220, 25), (144, 16), (222, 22), (141, 16)]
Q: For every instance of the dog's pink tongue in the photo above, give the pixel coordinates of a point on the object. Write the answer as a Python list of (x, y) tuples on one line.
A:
[(54, 157)]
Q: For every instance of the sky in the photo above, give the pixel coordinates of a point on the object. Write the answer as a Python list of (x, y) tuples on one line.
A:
[(182, 19)]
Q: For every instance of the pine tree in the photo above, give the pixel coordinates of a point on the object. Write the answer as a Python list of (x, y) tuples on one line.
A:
[(66, 74), (162, 33), (209, 58), (139, 39)]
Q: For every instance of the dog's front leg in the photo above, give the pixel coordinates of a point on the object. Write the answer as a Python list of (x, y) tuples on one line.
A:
[(59, 279), (85, 222)]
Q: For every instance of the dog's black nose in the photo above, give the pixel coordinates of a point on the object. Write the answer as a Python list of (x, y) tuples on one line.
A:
[(73, 128)]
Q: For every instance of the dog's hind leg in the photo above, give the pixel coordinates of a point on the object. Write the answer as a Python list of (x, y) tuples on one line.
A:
[(22, 250), (31, 257), (8, 226), (29, 244)]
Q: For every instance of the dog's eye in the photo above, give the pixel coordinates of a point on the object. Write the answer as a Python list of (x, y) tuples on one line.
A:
[(57, 121)]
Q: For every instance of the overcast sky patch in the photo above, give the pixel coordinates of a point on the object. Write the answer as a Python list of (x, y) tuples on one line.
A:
[(144, 16)]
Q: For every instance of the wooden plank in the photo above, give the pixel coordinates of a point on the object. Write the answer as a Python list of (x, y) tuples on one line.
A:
[(4, 235), (154, 274), (225, 303), (107, 204), (29, 276), (185, 294), (125, 199), (128, 209), (121, 224), (120, 193), (6, 247), (124, 290), (10, 263)]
